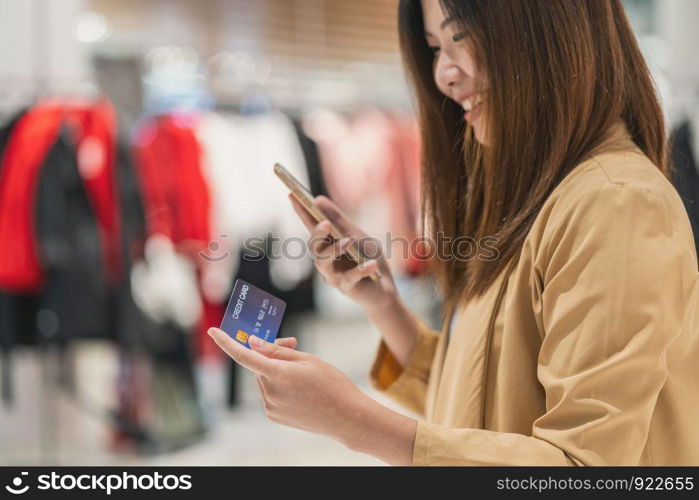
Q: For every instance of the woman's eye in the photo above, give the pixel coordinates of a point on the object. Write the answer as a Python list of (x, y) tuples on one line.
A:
[(458, 37)]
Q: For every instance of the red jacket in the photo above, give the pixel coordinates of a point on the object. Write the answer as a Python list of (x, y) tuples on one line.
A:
[(31, 139)]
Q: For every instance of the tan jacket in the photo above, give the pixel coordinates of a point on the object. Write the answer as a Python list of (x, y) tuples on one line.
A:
[(585, 352)]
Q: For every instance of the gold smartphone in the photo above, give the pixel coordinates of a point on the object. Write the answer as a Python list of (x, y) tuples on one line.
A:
[(304, 196)]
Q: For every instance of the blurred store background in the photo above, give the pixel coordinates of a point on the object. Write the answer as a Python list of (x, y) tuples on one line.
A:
[(136, 144)]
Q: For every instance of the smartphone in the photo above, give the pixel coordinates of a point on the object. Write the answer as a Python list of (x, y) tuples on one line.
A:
[(304, 196)]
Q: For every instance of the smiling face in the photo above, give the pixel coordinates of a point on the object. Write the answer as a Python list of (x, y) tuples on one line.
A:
[(455, 72), (556, 75)]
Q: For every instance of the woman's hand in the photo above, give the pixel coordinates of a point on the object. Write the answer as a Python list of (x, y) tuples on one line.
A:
[(301, 391), (298, 389), (339, 270), (399, 328)]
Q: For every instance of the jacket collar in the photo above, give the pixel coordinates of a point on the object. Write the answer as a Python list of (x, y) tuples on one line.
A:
[(616, 138)]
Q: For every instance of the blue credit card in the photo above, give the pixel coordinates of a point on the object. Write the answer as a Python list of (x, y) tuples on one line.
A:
[(252, 311)]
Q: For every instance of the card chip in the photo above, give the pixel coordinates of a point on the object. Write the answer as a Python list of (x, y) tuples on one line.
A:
[(241, 336)]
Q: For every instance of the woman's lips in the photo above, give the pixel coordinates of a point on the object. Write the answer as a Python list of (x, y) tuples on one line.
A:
[(472, 106), (473, 114)]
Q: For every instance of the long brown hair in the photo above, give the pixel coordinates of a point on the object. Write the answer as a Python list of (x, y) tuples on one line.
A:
[(558, 74)]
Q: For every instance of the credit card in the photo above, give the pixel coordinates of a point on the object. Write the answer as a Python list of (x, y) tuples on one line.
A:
[(252, 311)]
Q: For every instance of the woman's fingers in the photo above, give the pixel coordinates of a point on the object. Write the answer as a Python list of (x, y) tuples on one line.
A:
[(249, 358), (343, 277), (320, 238), (330, 263), (326, 251), (289, 342), (352, 276), (320, 241), (332, 251), (341, 221)]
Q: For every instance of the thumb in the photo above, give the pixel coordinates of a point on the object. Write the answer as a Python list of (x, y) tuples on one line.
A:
[(274, 351), (341, 221)]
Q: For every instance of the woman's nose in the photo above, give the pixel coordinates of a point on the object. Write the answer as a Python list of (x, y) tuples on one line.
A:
[(448, 74)]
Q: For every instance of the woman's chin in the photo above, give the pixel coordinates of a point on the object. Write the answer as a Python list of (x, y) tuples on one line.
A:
[(480, 134)]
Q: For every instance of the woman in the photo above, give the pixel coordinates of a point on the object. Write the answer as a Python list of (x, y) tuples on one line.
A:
[(576, 344)]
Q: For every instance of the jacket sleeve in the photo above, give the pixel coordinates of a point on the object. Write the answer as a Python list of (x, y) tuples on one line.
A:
[(615, 286), (406, 385)]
